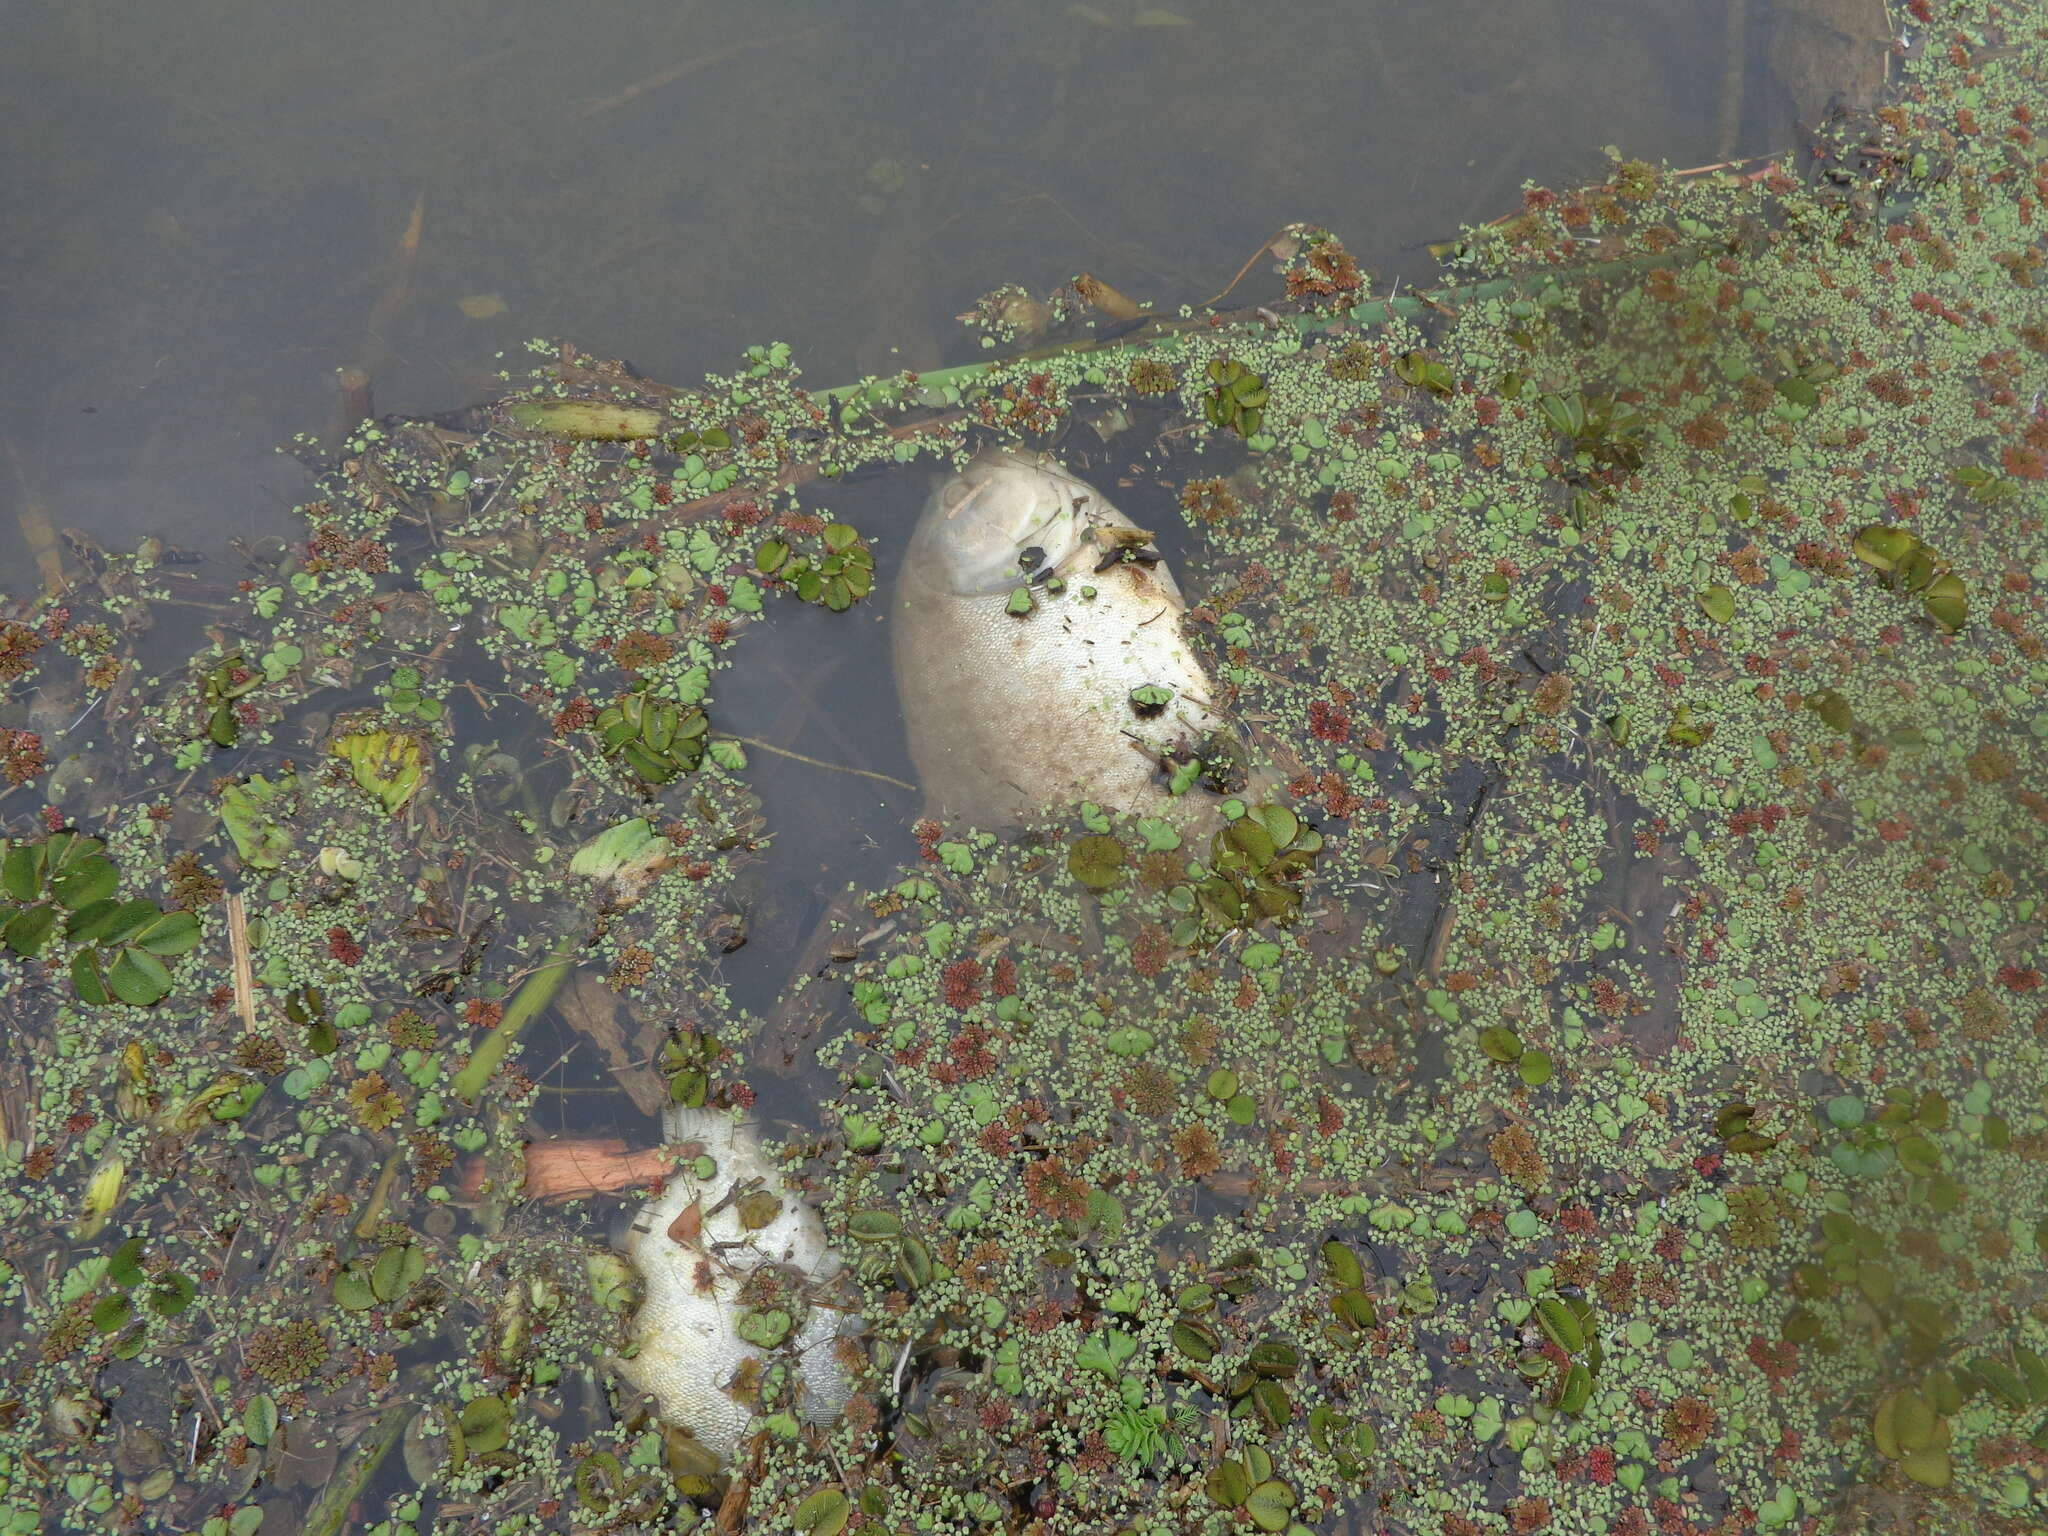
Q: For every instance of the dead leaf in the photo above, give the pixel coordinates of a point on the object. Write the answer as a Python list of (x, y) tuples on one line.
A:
[(689, 1223), (592, 1010), (482, 306)]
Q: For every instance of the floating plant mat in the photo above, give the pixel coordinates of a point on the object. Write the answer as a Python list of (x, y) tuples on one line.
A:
[(1599, 1089)]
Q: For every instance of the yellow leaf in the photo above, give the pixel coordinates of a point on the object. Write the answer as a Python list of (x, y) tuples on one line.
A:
[(387, 764), (102, 1194)]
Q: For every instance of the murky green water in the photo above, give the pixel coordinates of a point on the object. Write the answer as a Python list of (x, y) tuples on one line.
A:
[(205, 203), (1542, 878)]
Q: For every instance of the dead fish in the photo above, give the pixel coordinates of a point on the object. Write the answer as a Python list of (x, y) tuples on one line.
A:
[(1040, 658), (694, 1251)]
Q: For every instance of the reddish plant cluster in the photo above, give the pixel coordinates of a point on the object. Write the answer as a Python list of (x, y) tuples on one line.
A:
[(18, 643), (576, 715), (343, 948), (743, 513), (1053, 1191), (331, 549), (21, 755), (1327, 271), (1765, 818), (1326, 722), (961, 983), (971, 1054)]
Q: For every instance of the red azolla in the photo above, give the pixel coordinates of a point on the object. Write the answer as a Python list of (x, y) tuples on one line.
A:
[(482, 1014), (2016, 978), (1600, 1465), (1893, 830), (1052, 1191), (342, 947), (1003, 983), (970, 1052), (961, 982), (1577, 1220), (1326, 722), (1329, 1117), (1776, 1360)]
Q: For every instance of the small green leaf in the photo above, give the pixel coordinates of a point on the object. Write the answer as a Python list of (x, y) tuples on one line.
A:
[(172, 1293), (396, 1271), (352, 1291), (29, 930), (1718, 603), (173, 933), (1499, 1043), (91, 879), (1576, 1391), (824, 1513), (1271, 1505), (874, 1226), (1227, 1484), (1559, 1322), (486, 1424), (21, 872), (259, 1419), (138, 978), (1344, 1268)]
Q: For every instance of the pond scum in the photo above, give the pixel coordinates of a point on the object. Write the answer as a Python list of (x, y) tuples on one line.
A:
[(1602, 1090)]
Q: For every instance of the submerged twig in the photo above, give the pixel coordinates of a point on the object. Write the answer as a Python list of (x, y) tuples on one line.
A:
[(1250, 261), (688, 67), (819, 762)]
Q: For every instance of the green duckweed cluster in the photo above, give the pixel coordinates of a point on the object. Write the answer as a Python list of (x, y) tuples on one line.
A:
[(1595, 1085)]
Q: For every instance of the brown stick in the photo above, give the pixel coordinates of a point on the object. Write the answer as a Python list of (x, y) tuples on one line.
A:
[(245, 968), (1250, 262)]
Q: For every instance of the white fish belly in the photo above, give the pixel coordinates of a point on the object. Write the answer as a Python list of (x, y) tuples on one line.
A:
[(687, 1328)]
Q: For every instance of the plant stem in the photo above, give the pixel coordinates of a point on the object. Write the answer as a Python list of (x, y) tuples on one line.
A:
[(330, 1511), (537, 992)]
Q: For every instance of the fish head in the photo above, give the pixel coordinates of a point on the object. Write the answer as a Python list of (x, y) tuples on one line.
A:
[(1011, 517)]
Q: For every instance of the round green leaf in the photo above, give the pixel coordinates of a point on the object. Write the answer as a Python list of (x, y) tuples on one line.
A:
[(824, 1513), (1270, 1505), (138, 978), (1097, 862), (486, 1424), (92, 878), (29, 930), (173, 933), (396, 1270)]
